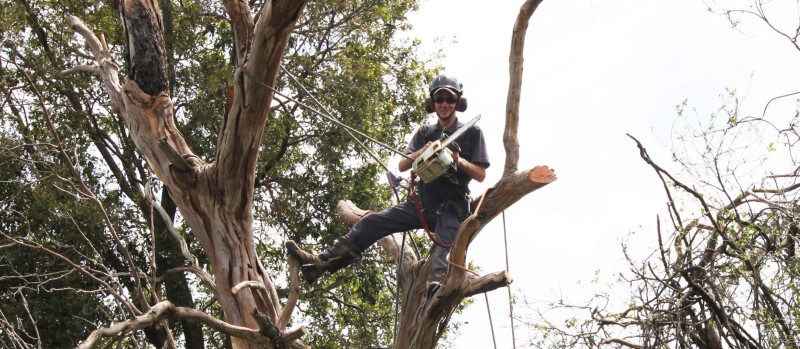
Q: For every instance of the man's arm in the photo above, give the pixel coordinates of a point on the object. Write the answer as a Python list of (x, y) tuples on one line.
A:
[(474, 171)]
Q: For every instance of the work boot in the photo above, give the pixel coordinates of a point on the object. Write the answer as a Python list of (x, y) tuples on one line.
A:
[(338, 256), (311, 266), (435, 282)]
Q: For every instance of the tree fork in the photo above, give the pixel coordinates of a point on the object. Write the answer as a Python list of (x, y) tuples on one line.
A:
[(420, 328), (215, 199)]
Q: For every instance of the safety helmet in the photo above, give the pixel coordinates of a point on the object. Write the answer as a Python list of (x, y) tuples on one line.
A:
[(448, 82), (445, 81)]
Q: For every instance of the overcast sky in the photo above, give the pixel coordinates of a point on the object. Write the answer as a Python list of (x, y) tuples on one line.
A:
[(594, 71)]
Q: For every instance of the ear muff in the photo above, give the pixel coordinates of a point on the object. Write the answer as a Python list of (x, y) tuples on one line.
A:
[(461, 105)]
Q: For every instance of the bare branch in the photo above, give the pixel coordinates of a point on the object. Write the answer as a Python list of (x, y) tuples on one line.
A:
[(487, 283), (515, 65), (620, 342), (109, 70), (167, 311), (93, 69), (505, 193), (294, 294), (248, 284), (205, 278)]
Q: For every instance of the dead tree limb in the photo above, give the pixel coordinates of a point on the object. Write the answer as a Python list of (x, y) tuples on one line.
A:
[(167, 311)]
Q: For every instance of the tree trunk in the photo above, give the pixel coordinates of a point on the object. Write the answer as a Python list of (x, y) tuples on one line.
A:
[(214, 199)]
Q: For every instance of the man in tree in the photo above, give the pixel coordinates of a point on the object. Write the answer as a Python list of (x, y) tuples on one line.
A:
[(444, 202)]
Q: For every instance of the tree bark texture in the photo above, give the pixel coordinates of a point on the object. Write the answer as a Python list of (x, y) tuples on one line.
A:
[(214, 199)]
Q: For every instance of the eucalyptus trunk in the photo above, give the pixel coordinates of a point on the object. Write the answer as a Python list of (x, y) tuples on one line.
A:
[(214, 199)]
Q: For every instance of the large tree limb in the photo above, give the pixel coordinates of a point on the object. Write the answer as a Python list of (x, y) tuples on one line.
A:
[(505, 193), (515, 65), (146, 47), (148, 117), (242, 25), (243, 127)]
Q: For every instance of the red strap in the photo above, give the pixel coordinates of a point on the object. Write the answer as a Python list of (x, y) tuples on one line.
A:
[(418, 205)]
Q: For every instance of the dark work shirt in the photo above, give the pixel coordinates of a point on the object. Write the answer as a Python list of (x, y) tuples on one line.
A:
[(453, 184)]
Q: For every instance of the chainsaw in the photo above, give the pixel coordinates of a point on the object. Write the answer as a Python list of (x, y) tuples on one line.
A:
[(438, 158)]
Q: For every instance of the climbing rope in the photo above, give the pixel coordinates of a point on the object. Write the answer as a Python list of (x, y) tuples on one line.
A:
[(333, 119), (324, 115), (510, 300), (491, 324)]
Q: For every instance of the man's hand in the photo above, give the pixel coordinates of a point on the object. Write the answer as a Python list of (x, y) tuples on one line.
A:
[(406, 163), (424, 147)]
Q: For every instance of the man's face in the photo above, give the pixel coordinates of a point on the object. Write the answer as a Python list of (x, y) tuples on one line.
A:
[(444, 103)]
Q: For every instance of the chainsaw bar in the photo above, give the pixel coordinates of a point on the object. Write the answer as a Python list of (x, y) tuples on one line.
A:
[(460, 131)]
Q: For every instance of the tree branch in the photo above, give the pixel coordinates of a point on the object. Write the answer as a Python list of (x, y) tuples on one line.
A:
[(505, 193), (349, 213), (487, 283), (294, 294), (108, 69), (515, 64), (620, 342), (165, 310)]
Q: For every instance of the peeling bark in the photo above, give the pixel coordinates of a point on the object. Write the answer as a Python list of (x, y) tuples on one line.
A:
[(214, 199)]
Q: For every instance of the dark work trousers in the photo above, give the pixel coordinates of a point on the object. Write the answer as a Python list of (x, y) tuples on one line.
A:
[(404, 217)]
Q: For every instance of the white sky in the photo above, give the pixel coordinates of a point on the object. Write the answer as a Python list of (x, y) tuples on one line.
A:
[(594, 71)]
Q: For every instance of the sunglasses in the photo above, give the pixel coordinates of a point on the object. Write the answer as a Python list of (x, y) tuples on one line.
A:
[(449, 100)]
